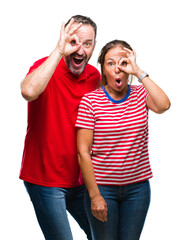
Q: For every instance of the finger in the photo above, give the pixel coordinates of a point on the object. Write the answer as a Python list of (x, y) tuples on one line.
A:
[(103, 218), (122, 51), (75, 28), (67, 28), (75, 40), (127, 50), (123, 60), (123, 69), (100, 216), (62, 28), (75, 48), (104, 215), (126, 53), (134, 53)]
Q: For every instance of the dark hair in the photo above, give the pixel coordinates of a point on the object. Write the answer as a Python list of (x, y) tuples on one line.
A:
[(84, 20), (105, 49)]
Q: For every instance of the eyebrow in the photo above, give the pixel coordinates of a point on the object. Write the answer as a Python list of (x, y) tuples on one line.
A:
[(109, 59), (112, 59), (88, 40)]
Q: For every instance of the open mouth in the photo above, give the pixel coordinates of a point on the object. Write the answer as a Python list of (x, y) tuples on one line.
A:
[(118, 82), (78, 61)]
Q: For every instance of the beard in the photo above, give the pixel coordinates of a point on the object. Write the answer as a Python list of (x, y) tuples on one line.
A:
[(76, 63)]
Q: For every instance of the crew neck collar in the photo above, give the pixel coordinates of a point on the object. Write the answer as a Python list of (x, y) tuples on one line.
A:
[(117, 101)]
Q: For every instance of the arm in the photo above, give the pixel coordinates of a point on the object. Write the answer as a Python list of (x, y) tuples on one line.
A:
[(84, 143), (35, 83), (157, 100)]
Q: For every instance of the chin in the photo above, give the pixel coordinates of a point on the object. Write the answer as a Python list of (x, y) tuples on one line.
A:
[(77, 71)]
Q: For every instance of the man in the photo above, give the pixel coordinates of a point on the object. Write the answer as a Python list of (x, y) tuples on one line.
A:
[(53, 88)]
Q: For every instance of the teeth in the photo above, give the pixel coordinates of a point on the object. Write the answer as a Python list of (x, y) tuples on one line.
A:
[(77, 60)]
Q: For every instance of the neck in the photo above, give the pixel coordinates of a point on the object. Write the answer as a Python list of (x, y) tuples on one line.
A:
[(116, 95)]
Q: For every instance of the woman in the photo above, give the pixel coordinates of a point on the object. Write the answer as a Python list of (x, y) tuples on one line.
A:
[(112, 139)]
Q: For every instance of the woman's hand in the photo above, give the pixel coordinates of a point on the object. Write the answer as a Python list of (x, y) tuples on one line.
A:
[(99, 208), (128, 64)]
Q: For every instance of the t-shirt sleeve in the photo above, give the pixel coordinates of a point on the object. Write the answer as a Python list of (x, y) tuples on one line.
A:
[(36, 65), (85, 117), (142, 93), (145, 94)]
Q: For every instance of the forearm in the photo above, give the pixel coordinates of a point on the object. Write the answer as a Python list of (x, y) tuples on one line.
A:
[(157, 100), (35, 83), (88, 174), (84, 144)]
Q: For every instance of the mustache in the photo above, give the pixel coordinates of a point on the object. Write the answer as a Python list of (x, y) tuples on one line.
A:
[(78, 55)]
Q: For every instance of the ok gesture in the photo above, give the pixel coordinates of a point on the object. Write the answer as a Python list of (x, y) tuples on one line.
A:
[(128, 64), (68, 41)]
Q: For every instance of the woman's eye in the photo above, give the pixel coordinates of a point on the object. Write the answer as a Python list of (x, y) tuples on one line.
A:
[(124, 63), (110, 64)]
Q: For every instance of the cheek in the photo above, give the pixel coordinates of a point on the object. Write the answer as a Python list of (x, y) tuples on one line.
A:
[(89, 52), (111, 75), (108, 72), (125, 75)]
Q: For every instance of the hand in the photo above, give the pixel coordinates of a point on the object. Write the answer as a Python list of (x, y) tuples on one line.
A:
[(68, 42), (99, 208), (128, 64)]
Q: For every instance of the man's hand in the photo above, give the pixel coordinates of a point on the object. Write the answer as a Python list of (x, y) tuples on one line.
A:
[(99, 208), (68, 42)]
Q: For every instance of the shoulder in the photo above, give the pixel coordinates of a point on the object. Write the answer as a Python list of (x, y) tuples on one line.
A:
[(36, 64), (137, 88), (96, 93), (39, 62), (139, 91), (92, 70), (93, 96)]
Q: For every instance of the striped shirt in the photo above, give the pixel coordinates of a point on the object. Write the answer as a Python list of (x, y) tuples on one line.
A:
[(120, 144)]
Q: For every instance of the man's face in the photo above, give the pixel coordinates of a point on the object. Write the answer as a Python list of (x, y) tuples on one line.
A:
[(77, 61)]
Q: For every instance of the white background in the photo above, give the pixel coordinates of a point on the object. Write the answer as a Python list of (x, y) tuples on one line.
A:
[(159, 32)]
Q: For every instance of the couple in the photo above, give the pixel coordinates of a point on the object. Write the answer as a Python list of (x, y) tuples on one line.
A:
[(92, 129)]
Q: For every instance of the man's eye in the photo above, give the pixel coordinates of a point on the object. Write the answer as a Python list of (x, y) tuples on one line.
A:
[(73, 42), (87, 44)]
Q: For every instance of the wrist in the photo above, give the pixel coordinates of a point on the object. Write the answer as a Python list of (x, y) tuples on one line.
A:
[(142, 76), (94, 194), (138, 73), (57, 53)]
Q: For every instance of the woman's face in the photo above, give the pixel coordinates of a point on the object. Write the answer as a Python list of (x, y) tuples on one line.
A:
[(116, 79)]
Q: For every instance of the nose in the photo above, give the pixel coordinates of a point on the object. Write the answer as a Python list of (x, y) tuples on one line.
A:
[(117, 70), (80, 51)]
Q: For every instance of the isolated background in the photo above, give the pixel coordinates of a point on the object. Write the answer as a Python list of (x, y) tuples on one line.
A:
[(159, 32)]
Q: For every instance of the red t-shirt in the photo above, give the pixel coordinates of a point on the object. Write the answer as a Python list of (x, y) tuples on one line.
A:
[(50, 152)]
